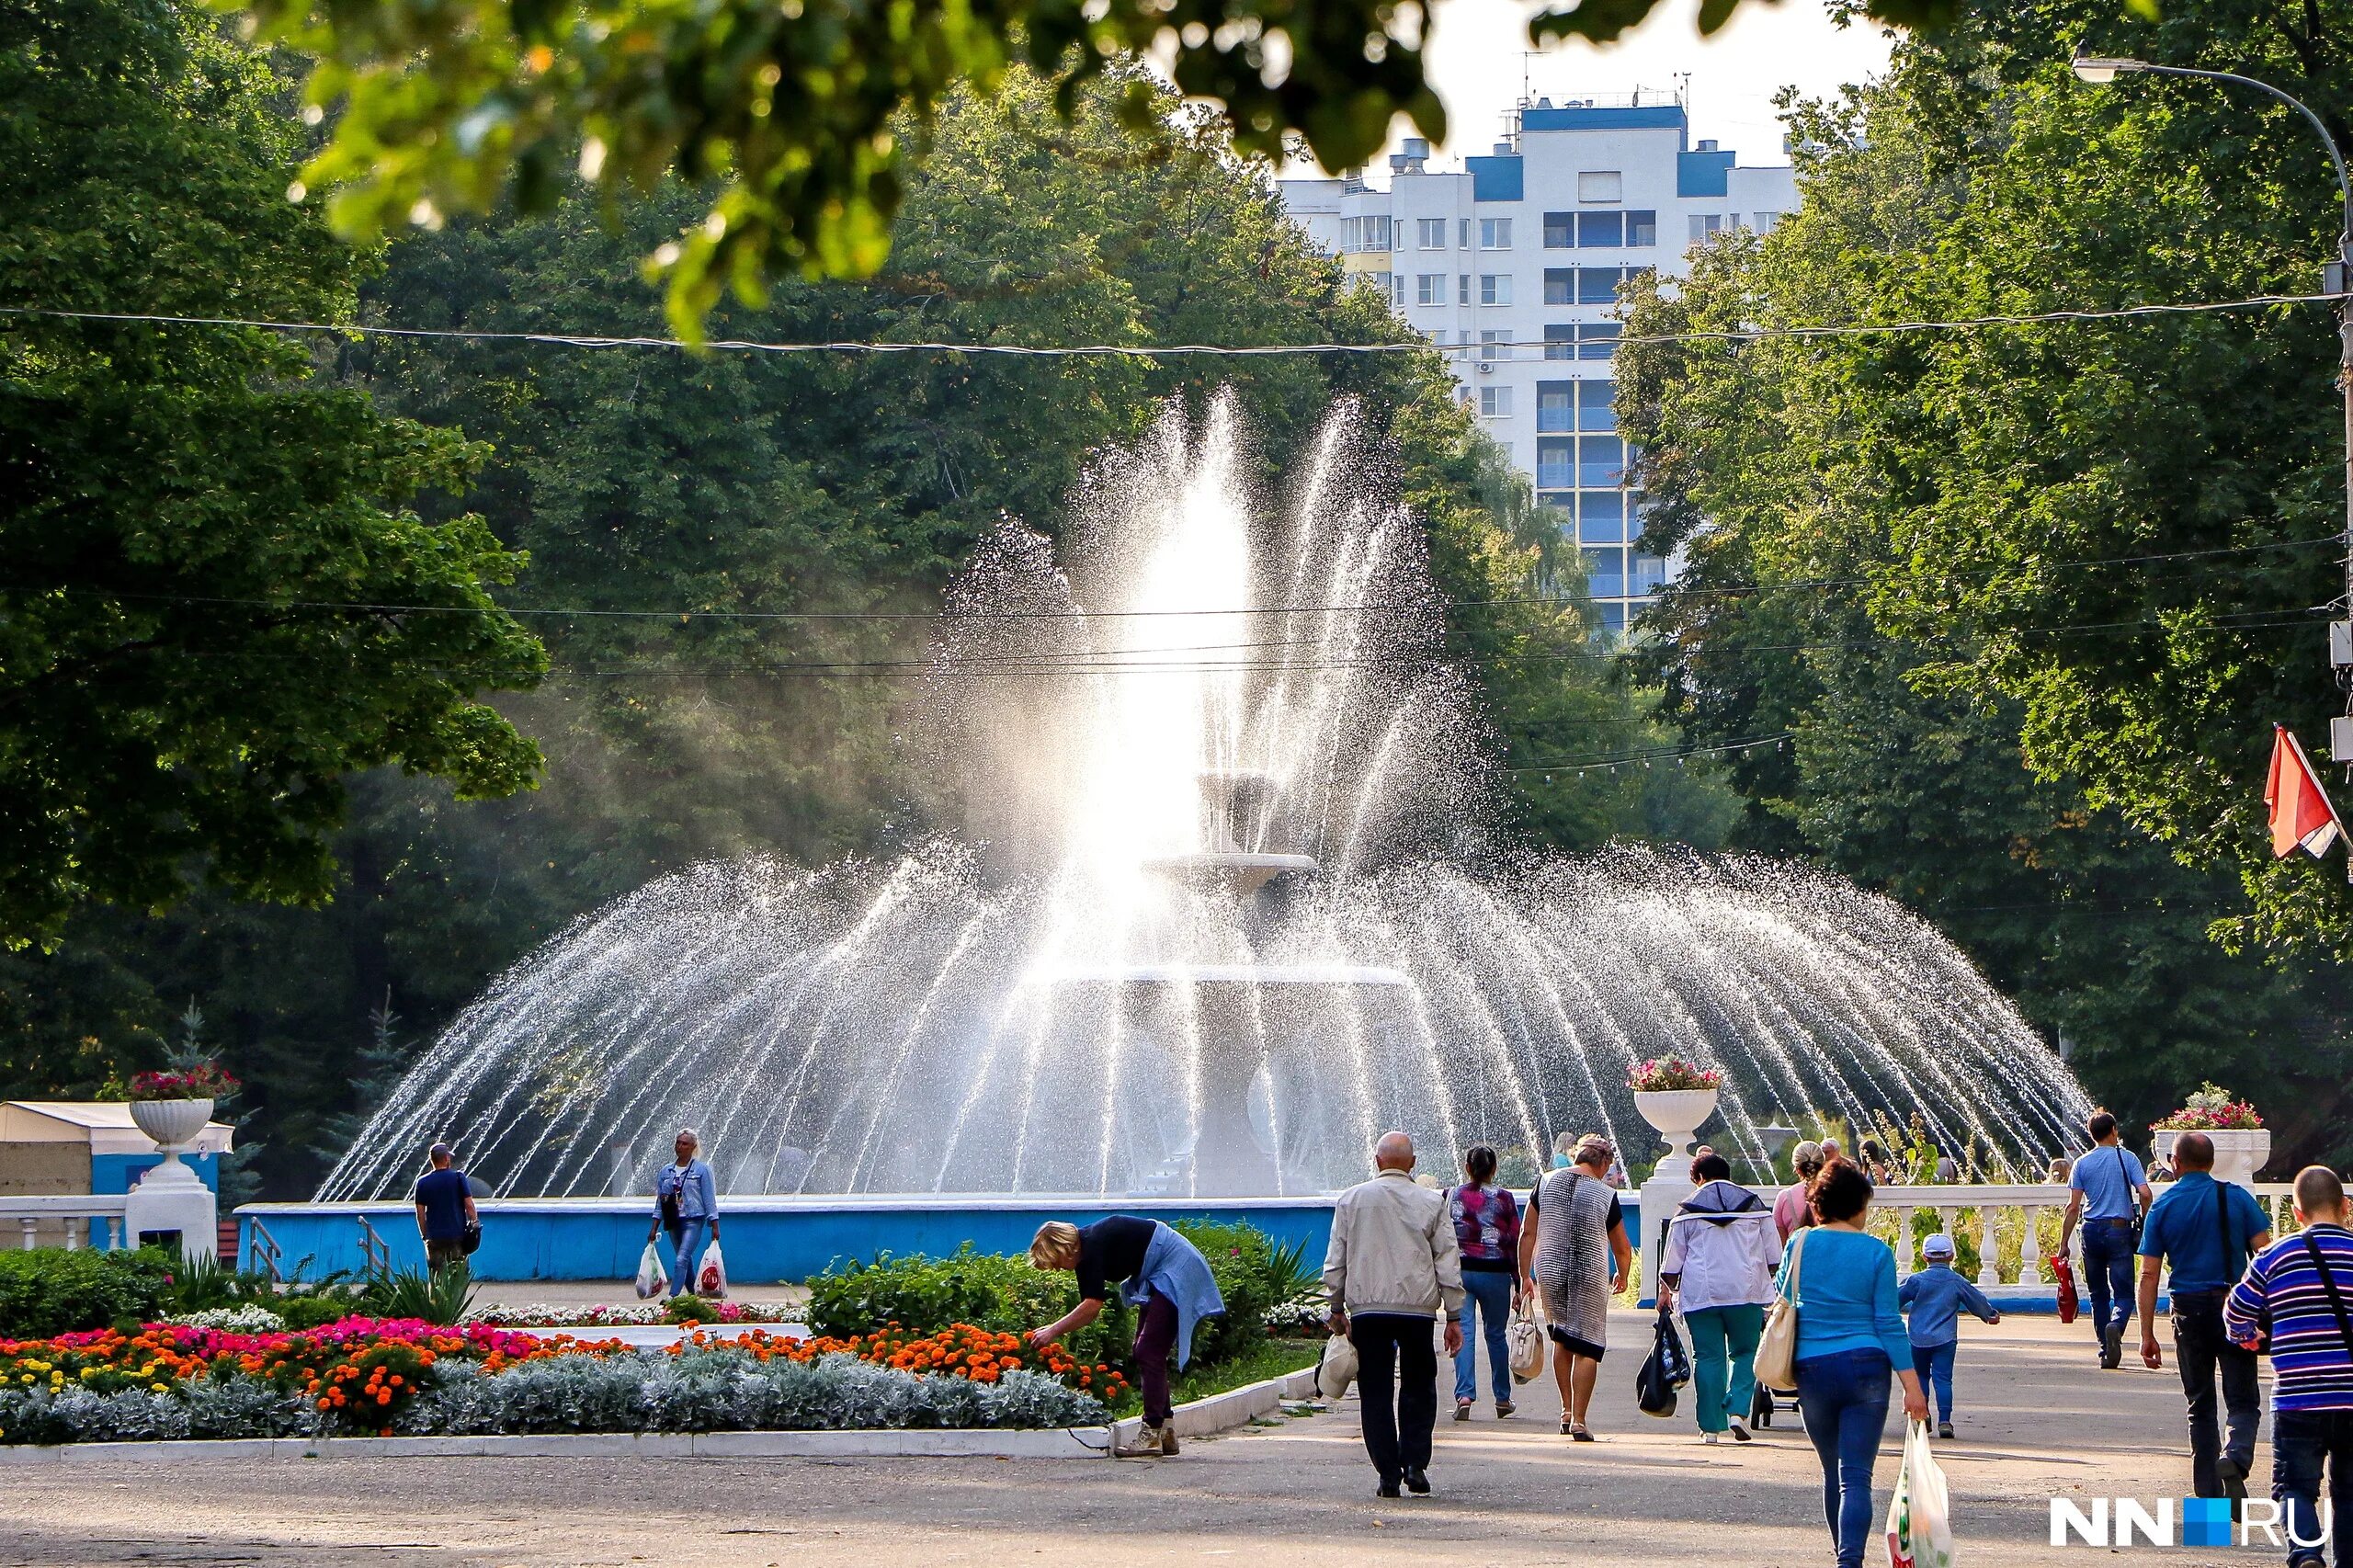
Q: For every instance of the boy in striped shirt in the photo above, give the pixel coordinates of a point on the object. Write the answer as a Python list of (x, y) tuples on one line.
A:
[(2300, 1293)]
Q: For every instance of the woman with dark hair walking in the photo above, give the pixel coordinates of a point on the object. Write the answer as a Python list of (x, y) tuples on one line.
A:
[(1851, 1339), (1486, 1227)]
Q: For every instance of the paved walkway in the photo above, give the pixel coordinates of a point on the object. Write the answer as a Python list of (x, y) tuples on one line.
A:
[(2037, 1417)]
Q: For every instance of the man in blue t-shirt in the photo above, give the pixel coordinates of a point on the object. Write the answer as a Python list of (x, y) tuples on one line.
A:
[(444, 1208), (2109, 1192), (2205, 1229)]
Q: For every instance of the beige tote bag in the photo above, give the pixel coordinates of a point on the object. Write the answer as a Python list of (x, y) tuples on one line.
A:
[(1777, 1347)]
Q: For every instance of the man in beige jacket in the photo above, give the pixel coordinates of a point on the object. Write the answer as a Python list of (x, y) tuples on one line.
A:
[(1393, 1267)]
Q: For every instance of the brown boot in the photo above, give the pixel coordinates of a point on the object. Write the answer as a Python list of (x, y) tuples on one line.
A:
[(1150, 1442)]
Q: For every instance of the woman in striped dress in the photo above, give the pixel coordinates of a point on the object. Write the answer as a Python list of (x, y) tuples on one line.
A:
[(1572, 1255)]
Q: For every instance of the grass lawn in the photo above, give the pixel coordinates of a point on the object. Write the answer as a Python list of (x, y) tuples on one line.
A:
[(1272, 1360)]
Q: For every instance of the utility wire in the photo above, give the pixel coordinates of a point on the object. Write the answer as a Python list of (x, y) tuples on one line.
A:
[(1227, 350)]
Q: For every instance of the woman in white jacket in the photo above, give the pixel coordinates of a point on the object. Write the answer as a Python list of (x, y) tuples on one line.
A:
[(1722, 1252)]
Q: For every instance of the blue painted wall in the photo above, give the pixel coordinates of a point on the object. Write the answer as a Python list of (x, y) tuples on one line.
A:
[(1702, 173), (1663, 117), (1497, 178), (119, 1173)]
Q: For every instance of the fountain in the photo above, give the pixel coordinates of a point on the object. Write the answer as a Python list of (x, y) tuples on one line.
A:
[(1217, 887)]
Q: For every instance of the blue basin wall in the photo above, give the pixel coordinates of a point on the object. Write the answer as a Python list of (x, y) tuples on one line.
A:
[(766, 1239)]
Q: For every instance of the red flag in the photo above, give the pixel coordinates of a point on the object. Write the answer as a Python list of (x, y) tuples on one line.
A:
[(2302, 817)]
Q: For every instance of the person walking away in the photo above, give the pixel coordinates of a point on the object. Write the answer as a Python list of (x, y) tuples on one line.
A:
[(1160, 1273), (1573, 1255), (1721, 1250), (1932, 1300), (1393, 1266), (2205, 1230), (2109, 1191), (1790, 1210), (2299, 1290), (1486, 1231), (444, 1208), (1851, 1338), (686, 1204)]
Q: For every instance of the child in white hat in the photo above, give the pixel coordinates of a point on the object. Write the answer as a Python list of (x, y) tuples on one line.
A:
[(1932, 1299)]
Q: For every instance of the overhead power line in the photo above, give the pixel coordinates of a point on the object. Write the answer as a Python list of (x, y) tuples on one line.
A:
[(1147, 350)]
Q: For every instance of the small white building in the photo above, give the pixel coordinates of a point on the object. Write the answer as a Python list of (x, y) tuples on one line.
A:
[(1513, 262)]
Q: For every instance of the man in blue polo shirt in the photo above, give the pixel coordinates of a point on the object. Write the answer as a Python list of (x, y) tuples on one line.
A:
[(2205, 1229), (445, 1207), (2109, 1192)]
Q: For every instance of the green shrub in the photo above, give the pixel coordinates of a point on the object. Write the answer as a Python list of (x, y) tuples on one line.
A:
[(689, 1308), (445, 1296), (926, 1294), (1254, 1277), (200, 1284), (308, 1311), (48, 1290)]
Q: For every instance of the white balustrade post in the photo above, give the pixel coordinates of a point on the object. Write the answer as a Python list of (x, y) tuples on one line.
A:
[(114, 1232), (1989, 1272), (31, 1225), (72, 1233), (1904, 1241), (2030, 1249)]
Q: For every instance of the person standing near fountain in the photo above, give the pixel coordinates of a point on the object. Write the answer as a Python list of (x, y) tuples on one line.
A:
[(2109, 1194), (1486, 1230), (1721, 1250), (1850, 1337), (1393, 1264), (686, 1203), (1160, 1273), (1791, 1211), (1573, 1255)]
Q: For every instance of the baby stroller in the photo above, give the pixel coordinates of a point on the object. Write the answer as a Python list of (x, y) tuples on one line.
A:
[(1761, 1408)]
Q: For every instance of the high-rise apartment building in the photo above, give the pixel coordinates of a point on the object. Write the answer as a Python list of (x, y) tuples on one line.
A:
[(1513, 264)]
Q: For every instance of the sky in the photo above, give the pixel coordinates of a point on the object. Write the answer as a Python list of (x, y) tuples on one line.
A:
[(1477, 64)]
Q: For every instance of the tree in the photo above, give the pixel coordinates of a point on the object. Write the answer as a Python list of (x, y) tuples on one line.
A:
[(1795, 473), (796, 112), (211, 607)]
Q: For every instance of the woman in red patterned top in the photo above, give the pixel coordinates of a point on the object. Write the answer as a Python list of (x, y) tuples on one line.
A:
[(1486, 1224)]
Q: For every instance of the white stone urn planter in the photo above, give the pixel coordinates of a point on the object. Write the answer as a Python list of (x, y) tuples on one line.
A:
[(2239, 1152), (1678, 1114), (174, 1125)]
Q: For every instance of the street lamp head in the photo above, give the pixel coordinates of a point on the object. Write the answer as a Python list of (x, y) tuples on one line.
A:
[(2100, 70)]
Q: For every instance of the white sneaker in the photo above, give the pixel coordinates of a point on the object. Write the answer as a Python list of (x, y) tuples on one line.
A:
[(1708, 1438)]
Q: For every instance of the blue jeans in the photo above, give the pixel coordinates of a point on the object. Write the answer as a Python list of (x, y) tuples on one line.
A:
[(1934, 1363), (2302, 1441), (1844, 1398), (692, 1235), (1487, 1310), (2108, 1271)]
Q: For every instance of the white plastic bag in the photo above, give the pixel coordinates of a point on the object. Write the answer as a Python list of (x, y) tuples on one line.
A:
[(710, 1275), (1920, 1515), (652, 1277), (1338, 1368)]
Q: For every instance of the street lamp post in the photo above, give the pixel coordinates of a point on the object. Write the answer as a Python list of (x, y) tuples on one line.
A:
[(2101, 71)]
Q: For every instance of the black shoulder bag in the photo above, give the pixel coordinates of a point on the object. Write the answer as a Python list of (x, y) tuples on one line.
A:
[(2131, 1199)]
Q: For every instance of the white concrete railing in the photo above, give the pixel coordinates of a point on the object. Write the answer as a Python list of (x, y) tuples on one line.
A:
[(77, 1215)]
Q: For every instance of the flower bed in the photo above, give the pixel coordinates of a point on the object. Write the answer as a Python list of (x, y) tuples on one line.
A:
[(407, 1377), (650, 1314), (2210, 1109)]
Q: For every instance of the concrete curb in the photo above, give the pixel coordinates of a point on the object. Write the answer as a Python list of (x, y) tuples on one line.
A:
[(1201, 1418)]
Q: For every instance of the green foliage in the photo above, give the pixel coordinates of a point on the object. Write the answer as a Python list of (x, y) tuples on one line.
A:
[(48, 1290), (1254, 1275), (798, 112), (308, 1311), (443, 1296), (201, 1283), (1006, 1295), (200, 543), (689, 1309), (1926, 555)]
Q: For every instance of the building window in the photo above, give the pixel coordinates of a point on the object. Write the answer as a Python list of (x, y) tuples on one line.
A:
[(1560, 342), (1556, 464), (1601, 228), (1559, 229), (1466, 233), (1431, 233), (1494, 402), (1704, 224), (1462, 289), (1495, 233), (1495, 288), (1602, 518), (1369, 234), (1642, 229), (1495, 346), (1649, 572), (1763, 222), (1556, 409), (1429, 289), (1594, 411), (1598, 285), (1596, 339), (1601, 462), (1560, 285), (1562, 505), (1605, 573), (1601, 184)]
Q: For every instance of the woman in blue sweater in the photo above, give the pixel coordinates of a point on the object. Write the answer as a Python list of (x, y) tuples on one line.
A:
[(1850, 1340)]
